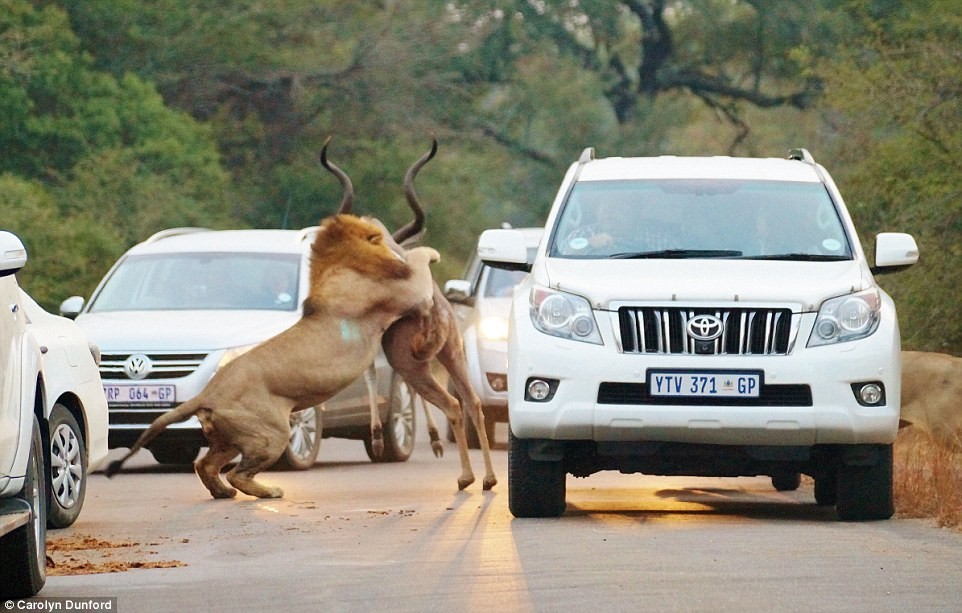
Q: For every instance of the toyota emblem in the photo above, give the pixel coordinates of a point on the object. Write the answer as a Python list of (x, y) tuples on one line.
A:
[(137, 366), (704, 327)]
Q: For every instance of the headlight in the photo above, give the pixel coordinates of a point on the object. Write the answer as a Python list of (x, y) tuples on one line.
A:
[(232, 354), (846, 318), (563, 315), (493, 328)]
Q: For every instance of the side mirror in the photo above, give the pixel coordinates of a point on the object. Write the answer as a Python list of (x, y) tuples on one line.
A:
[(894, 251), (13, 255), (457, 290), (504, 249), (71, 307)]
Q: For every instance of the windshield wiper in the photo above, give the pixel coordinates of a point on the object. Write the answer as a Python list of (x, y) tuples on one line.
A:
[(679, 254), (800, 257)]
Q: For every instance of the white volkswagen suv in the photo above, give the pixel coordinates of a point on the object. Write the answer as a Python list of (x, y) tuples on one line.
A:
[(181, 304), (709, 316)]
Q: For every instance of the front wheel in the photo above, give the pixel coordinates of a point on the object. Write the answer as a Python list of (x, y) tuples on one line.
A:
[(68, 468), (865, 489), (23, 551), (304, 442), (400, 428), (535, 488), (786, 482)]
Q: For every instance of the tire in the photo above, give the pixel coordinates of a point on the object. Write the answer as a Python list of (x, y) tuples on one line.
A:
[(787, 482), (175, 453), (68, 469), (400, 429), (535, 488), (305, 441), (23, 552), (826, 490), (865, 490)]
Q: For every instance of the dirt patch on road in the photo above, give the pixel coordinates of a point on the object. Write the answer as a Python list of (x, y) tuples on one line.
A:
[(85, 555)]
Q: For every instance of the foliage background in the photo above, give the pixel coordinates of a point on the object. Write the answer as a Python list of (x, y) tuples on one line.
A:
[(119, 118)]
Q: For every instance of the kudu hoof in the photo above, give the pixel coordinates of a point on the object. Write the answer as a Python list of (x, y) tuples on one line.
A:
[(464, 482), (438, 449), (489, 483)]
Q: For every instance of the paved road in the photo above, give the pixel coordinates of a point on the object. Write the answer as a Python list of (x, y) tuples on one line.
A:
[(353, 536)]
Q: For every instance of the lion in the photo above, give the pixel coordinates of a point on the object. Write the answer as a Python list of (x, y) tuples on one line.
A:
[(358, 287), (931, 389)]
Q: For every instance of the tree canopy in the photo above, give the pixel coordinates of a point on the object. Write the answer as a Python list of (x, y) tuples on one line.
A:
[(119, 118)]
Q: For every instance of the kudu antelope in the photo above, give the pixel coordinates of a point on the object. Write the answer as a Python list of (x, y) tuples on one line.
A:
[(413, 341)]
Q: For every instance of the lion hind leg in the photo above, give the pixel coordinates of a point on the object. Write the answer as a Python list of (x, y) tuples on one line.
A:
[(208, 469), (254, 461)]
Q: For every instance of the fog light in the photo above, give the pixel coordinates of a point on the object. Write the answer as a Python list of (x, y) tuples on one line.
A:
[(870, 393), (538, 389), (497, 381)]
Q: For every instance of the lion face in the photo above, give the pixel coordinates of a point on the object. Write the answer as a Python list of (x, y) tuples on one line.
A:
[(357, 243)]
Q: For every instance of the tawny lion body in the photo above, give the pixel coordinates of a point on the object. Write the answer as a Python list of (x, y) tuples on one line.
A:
[(359, 287), (931, 392)]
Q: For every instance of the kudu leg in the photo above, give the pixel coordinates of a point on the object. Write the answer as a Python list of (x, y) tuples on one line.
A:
[(431, 391), (377, 430), (453, 360), (433, 433)]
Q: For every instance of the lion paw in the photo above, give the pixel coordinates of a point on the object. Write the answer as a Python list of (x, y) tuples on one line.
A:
[(223, 494)]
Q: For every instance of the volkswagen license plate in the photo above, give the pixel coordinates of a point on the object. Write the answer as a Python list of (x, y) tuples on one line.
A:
[(737, 384), (141, 395)]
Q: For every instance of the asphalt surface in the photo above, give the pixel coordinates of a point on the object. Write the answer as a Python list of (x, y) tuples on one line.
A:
[(350, 535)]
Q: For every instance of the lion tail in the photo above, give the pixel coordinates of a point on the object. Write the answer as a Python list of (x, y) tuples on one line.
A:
[(181, 413)]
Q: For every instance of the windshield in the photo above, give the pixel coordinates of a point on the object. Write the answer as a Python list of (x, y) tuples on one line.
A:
[(700, 218), (202, 281)]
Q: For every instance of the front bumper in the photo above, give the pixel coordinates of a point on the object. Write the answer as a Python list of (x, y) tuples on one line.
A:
[(578, 411)]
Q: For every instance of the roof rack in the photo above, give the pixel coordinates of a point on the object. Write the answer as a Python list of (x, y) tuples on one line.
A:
[(174, 232), (587, 155), (802, 155)]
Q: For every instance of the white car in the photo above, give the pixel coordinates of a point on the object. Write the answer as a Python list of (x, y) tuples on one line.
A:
[(709, 316), (482, 302), (53, 408), (176, 307)]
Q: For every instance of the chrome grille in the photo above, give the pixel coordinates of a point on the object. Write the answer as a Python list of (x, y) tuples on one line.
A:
[(744, 331), (163, 365)]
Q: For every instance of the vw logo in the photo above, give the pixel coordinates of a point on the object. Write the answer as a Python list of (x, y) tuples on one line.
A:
[(138, 366), (704, 327)]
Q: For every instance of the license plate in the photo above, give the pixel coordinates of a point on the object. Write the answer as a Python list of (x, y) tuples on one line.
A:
[(736, 384), (146, 395)]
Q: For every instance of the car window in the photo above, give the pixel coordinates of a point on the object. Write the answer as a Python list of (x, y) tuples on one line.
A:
[(700, 218), (501, 283), (202, 281)]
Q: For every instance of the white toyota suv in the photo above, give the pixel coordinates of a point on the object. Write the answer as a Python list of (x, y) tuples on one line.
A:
[(708, 316)]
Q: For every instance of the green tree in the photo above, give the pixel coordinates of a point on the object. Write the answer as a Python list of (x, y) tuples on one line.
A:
[(894, 96), (98, 152)]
